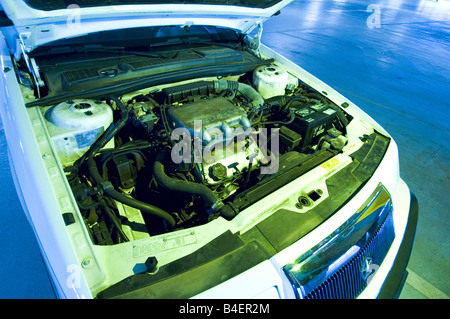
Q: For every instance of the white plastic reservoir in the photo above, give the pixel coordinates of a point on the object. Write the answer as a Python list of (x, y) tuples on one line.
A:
[(74, 125), (270, 80)]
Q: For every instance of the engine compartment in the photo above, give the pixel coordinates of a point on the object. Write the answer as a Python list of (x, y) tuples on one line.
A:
[(180, 156)]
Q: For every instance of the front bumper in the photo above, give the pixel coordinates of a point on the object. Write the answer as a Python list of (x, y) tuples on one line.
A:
[(396, 278)]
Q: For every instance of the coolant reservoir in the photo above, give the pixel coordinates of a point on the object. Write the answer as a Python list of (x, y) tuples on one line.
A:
[(74, 125), (270, 80)]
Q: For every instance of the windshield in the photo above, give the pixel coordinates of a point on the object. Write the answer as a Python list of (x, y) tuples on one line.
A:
[(48, 5)]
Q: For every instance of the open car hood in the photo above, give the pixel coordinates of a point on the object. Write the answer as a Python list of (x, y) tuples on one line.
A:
[(36, 22)]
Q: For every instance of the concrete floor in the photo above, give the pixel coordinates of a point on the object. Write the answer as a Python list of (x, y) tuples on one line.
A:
[(391, 59)]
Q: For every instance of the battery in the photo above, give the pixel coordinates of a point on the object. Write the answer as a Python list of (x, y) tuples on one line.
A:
[(312, 122), (289, 138)]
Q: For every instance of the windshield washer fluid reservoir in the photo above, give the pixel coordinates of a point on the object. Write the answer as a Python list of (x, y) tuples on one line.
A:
[(75, 124)]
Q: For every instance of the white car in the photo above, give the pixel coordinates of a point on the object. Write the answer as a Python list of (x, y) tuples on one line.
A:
[(160, 150)]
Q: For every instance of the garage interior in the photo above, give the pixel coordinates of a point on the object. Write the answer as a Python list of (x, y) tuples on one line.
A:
[(391, 58)]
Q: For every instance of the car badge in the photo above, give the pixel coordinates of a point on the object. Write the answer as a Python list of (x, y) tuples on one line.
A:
[(368, 268)]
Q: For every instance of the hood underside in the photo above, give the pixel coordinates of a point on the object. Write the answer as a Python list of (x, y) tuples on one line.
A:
[(36, 22), (49, 5)]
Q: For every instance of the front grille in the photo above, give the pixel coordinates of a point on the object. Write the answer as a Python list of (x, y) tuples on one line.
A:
[(342, 265), (348, 282)]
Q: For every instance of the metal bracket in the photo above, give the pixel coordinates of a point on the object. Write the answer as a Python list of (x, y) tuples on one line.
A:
[(254, 43), (30, 62)]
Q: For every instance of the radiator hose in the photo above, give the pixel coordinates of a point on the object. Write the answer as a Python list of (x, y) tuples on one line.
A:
[(107, 187), (109, 190), (208, 196)]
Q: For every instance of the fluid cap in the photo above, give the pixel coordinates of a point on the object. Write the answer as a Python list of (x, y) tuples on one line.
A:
[(218, 171)]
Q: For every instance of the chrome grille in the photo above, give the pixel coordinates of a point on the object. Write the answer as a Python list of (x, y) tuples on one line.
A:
[(342, 264), (347, 282)]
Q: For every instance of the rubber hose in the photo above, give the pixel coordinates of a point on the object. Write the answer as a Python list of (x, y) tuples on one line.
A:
[(109, 190), (256, 99), (112, 130), (283, 102), (201, 190), (317, 96), (103, 139)]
